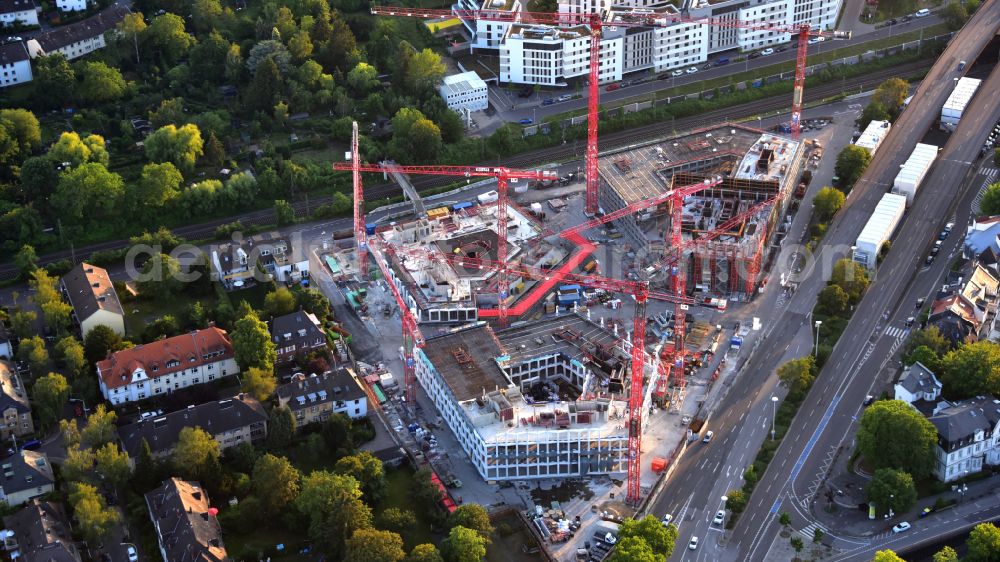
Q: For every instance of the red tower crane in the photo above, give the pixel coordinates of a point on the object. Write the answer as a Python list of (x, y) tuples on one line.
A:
[(635, 19), (503, 176), (360, 231)]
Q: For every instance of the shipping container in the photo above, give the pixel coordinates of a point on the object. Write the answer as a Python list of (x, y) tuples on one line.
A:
[(873, 136), (954, 107), (459, 206), (883, 222), (912, 172)]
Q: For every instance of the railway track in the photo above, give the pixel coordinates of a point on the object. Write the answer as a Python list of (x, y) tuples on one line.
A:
[(609, 141)]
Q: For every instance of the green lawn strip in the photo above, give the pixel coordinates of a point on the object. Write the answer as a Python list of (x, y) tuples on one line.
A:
[(264, 540), (139, 313)]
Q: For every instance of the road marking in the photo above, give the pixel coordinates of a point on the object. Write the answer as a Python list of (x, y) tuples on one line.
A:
[(815, 437)]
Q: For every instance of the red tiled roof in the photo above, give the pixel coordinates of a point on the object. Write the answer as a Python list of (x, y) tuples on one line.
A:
[(167, 356)]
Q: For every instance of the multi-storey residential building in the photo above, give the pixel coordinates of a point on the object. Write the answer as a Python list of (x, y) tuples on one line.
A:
[(89, 290), (297, 334), (240, 419), (26, 475), (968, 438), (269, 255), (14, 405), (166, 365), (542, 54), (486, 34), (71, 5), (78, 39), (20, 12), (315, 398), (15, 64), (186, 529), (918, 387), (40, 532)]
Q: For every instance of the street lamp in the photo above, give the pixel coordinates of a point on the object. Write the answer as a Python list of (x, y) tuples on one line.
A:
[(774, 414), (816, 348), (891, 497), (724, 500)]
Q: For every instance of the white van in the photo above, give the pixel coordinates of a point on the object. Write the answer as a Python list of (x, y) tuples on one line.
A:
[(922, 13)]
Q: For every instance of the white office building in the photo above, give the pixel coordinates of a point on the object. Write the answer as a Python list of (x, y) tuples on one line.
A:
[(883, 222), (547, 55), (465, 91)]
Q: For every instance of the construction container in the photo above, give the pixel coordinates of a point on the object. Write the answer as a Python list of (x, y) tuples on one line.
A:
[(883, 222), (912, 172), (954, 107), (659, 464), (873, 136)]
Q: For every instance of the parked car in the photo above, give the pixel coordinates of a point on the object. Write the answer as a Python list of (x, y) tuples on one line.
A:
[(692, 70), (816, 40), (133, 556), (548, 101), (32, 445), (677, 72), (720, 517), (767, 52), (901, 527), (922, 13), (526, 121), (565, 97), (612, 87), (753, 55), (722, 61), (667, 519)]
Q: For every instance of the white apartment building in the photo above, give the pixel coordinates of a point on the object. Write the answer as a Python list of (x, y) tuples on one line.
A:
[(15, 64), (71, 5), (78, 39), (166, 365), (968, 438), (465, 91), (18, 11), (486, 34), (547, 55), (657, 48)]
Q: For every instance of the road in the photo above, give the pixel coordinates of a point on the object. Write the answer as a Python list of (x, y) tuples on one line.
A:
[(806, 447), (532, 108)]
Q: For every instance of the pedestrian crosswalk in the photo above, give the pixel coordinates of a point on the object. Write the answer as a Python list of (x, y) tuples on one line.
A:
[(809, 531), (990, 176), (896, 331)]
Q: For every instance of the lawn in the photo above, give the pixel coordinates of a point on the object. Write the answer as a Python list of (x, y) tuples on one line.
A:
[(253, 295), (264, 540), (140, 312), (399, 486)]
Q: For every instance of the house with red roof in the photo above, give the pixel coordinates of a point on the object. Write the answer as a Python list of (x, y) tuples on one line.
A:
[(163, 366)]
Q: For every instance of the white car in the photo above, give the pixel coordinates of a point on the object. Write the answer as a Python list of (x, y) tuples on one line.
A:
[(667, 519), (133, 556), (816, 40), (692, 70), (677, 72), (922, 13), (767, 52), (720, 517), (902, 526), (693, 545)]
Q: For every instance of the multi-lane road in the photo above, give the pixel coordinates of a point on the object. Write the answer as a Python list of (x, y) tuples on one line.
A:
[(826, 416)]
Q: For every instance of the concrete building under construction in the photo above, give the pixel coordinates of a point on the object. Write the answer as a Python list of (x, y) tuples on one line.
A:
[(544, 399), (755, 167)]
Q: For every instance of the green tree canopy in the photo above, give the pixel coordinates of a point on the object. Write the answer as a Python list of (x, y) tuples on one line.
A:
[(833, 300), (851, 164), (368, 471), (332, 503), (946, 554), (196, 455), (634, 549), (94, 518), (653, 533), (91, 188), (891, 488), (54, 80), (396, 519), (464, 545), (275, 483), (158, 185), (890, 94), (76, 150), (797, 374), (69, 351), (971, 370), (983, 543), (101, 427), (99, 341), (472, 516), (259, 383), (252, 343), (101, 83), (23, 126), (314, 301), (851, 277), (926, 357), (827, 202), (894, 435), (32, 351), (874, 111), (167, 35), (373, 545), (279, 302), (113, 465), (280, 428), (424, 553), (886, 556), (990, 202), (180, 145), (50, 394), (161, 277), (954, 15), (931, 338)]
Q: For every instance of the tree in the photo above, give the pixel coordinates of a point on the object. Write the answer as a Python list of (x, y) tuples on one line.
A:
[(363, 78), (474, 516), (205, 13), (929, 337), (39, 175), (891, 94), (926, 357), (990, 203), (78, 464), (32, 351), (269, 49), (158, 185), (424, 70), (852, 278), (983, 543), (332, 503), (259, 383), (894, 435), (737, 500), (827, 202), (113, 465), (275, 483), (851, 164), (131, 27), (252, 343), (69, 350), (99, 341), (89, 187), (373, 545), (94, 518), (265, 86), (466, 545), (633, 549), (180, 145), (954, 15), (280, 302), (424, 553), (76, 150), (147, 469), (886, 556), (651, 531), (196, 455), (313, 301), (785, 519), (22, 322), (971, 370), (101, 83), (284, 213), (892, 489), (396, 519), (818, 535), (425, 140), (946, 554), (101, 427), (167, 35), (280, 428), (797, 374), (215, 153), (54, 80), (833, 300), (797, 543), (50, 394), (161, 277), (23, 126), (300, 46), (26, 261)]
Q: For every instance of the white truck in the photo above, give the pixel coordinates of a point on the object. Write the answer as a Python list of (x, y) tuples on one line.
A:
[(488, 197)]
